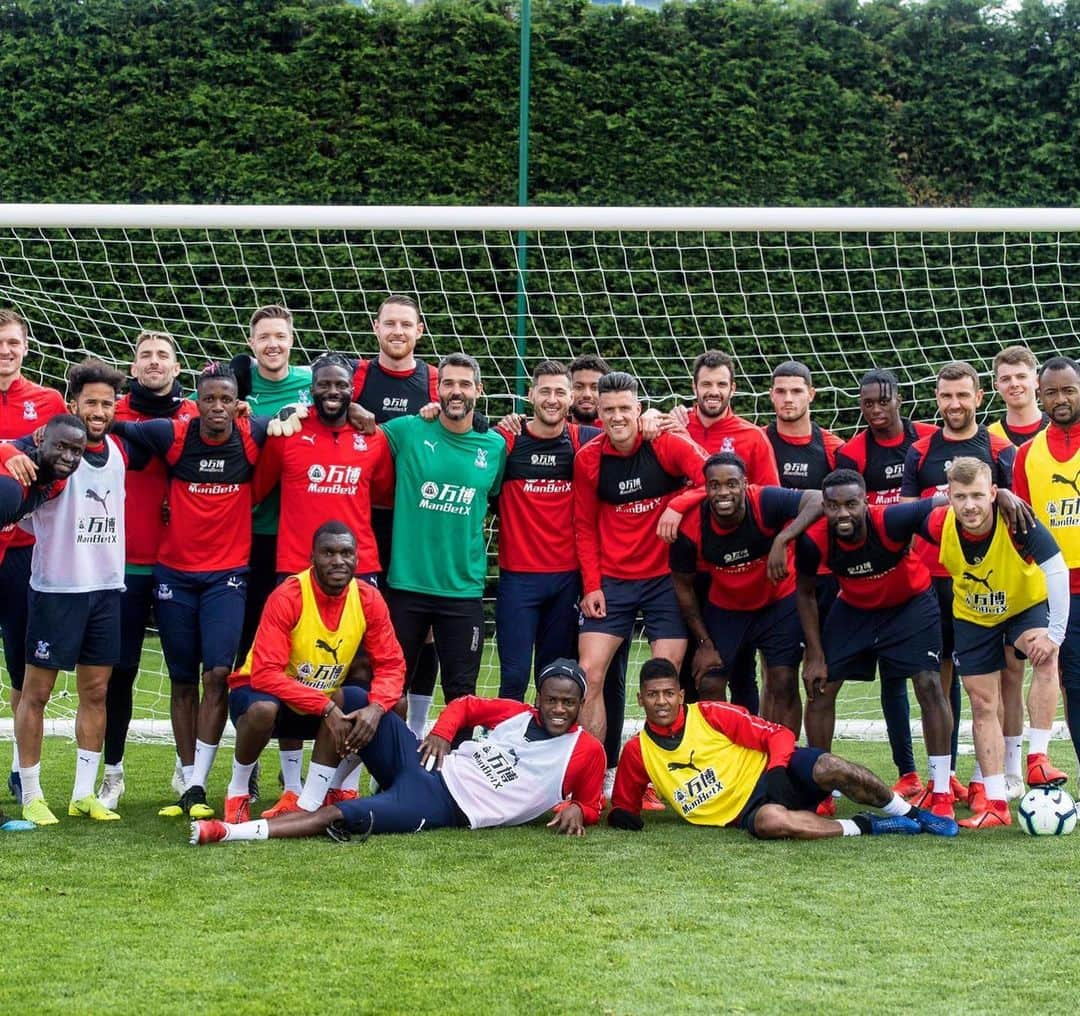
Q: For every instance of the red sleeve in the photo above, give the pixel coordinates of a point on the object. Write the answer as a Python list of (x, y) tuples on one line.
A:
[(387, 659), (271, 648), (433, 383), (381, 490), (678, 453), (586, 514), (832, 445), (8, 451), (740, 726), (761, 467), (688, 499), (268, 468), (1020, 485), (631, 778), (472, 711), (852, 454), (584, 780), (358, 378), (934, 525)]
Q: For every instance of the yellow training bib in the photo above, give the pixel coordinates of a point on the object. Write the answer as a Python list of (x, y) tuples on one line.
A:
[(708, 778), (1055, 495)]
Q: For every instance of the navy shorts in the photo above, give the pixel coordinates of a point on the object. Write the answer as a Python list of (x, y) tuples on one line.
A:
[(791, 786), (774, 629), (981, 650), (70, 628), (826, 590), (656, 600), (943, 591), (902, 641), (14, 590), (410, 798), (289, 723), (135, 607), (1070, 648), (200, 616)]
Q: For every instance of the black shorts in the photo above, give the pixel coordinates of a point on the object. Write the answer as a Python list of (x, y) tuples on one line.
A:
[(981, 650), (70, 628), (774, 630), (791, 786)]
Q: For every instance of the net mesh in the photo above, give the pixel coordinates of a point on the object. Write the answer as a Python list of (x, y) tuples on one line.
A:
[(648, 302)]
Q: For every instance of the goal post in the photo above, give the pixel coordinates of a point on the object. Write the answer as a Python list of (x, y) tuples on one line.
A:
[(646, 288)]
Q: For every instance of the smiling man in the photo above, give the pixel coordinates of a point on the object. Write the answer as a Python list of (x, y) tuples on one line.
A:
[(716, 765), (533, 760)]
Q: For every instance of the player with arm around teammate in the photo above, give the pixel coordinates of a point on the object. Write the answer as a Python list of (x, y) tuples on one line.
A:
[(533, 760), (716, 765)]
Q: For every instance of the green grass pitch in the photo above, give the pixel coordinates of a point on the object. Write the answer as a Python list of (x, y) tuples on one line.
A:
[(126, 917)]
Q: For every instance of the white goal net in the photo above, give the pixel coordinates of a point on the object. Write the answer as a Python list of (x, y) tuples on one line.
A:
[(646, 288)]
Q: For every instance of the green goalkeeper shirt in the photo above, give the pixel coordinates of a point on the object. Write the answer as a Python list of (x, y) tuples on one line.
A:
[(442, 484)]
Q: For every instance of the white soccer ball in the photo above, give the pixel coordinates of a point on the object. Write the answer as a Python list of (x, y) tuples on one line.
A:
[(1047, 811)]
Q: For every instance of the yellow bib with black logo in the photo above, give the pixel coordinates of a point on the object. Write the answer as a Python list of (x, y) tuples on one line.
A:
[(1000, 586), (707, 780), (1055, 496), (320, 656)]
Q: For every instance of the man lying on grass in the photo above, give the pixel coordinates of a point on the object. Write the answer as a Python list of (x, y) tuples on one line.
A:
[(532, 760), (716, 764)]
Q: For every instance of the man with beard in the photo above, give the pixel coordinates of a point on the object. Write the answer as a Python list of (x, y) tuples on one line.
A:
[(154, 393), (958, 395), (877, 454), (1046, 476), (805, 453), (76, 577), (445, 471), (24, 406), (539, 581)]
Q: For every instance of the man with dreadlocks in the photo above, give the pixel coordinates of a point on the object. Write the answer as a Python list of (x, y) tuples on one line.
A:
[(877, 454), (200, 578)]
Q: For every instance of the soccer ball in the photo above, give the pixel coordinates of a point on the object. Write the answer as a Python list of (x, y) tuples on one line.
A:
[(1047, 811)]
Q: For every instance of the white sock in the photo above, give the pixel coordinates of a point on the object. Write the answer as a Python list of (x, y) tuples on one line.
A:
[(204, 760), (995, 787), (977, 773), (419, 707), (114, 770), (1013, 748), (31, 782), (939, 773), (347, 774), (1038, 741), (189, 773), (240, 784), (15, 757), (315, 786), (897, 806), (257, 830), (87, 764), (292, 763), (609, 780), (849, 827)]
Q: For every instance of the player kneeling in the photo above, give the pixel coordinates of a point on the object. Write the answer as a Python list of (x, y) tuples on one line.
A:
[(533, 759), (715, 764), (290, 685)]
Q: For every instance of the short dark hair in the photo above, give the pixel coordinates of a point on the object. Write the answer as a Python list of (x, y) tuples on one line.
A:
[(957, 370), (270, 310), (879, 376), (657, 667), (65, 420), (331, 528), (460, 360), (1059, 363), (842, 478), (92, 371), (794, 368), (710, 360), (550, 368), (617, 381), (405, 301), (328, 360), (589, 361), (725, 459), (216, 372)]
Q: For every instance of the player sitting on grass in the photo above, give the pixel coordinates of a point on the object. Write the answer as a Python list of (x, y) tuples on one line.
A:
[(715, 764), (532, 760), (290, 685)]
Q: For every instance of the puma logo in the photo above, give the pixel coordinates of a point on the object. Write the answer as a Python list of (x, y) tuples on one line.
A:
[(983, 582), (325, 646), (674, 767), (431, 445), (93, 495), (1058, 478), (309, 438)]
